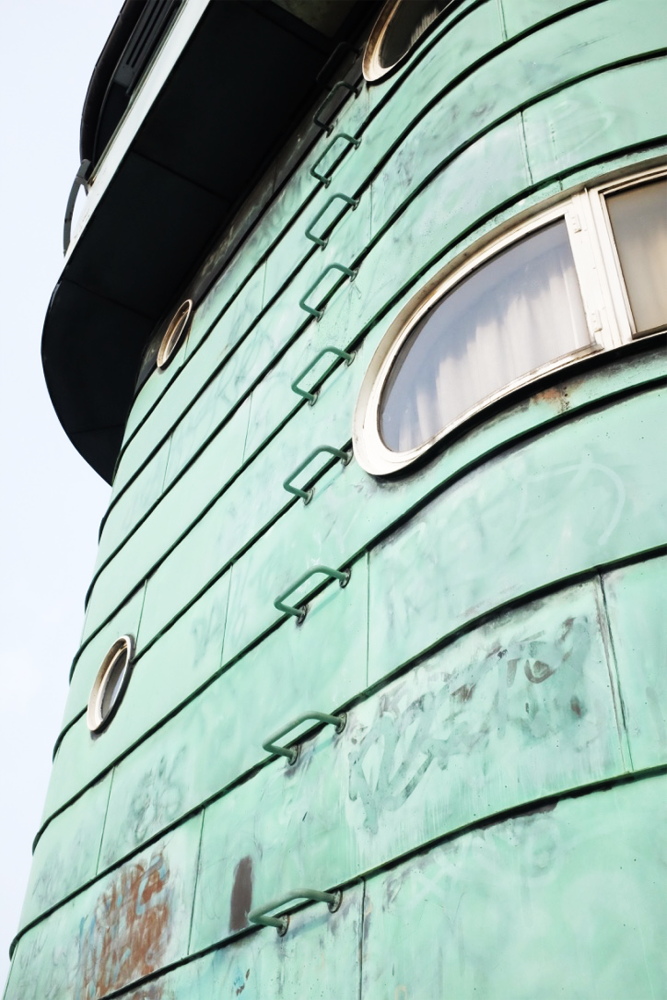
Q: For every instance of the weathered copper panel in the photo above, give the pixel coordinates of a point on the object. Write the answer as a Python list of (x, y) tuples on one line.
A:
[(578, 497), (66, 856), (195, 650), (636, 599), (604, 109), (318, 957), (567, 899), (124, 622), (131, 922), (219, 735), (500, 642), (519, 708)]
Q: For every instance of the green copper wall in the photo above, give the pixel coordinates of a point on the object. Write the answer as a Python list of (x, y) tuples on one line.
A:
[(499, 648)]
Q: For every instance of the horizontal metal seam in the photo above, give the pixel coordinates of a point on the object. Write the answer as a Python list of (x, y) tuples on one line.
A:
[(376, 540), (309, 198), (450, 86), (602, 400), (388, 305), (492, 819)]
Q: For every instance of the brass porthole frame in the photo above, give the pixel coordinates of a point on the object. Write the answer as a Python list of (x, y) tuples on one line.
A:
[(95, 719), (174, 334), (371, 67)]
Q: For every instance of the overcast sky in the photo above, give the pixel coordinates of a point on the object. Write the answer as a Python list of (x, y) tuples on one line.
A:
[(52, 502)]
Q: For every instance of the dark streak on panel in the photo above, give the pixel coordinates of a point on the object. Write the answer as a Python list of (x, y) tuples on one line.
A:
[(241, 902)]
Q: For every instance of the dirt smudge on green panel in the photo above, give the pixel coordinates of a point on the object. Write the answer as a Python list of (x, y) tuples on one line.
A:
[(241, 901), (557, 396), (127, 934)]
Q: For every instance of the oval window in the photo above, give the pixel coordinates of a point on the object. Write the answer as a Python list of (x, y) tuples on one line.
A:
[(174, 334), (467, 343), (397, 30), (587, 275), (110, 684)]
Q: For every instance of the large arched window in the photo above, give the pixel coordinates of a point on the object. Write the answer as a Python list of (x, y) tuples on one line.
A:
[(585, 276)]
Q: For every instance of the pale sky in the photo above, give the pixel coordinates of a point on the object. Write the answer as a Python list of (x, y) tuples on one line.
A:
[(52, 502)]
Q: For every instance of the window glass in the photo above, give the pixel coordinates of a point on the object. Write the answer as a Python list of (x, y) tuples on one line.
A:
[(110, 684), (639, 221), (407, 25), (514, 314), (113, 682)]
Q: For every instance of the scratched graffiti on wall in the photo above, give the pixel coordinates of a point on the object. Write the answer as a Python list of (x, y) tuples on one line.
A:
[(158, 797), (126, 935), (463, 711)]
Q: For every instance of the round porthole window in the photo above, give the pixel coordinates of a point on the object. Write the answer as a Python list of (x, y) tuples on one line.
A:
[(110, 684), (174, 334), (397, 30)]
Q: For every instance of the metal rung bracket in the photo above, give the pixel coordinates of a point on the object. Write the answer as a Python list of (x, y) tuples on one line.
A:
[(259, 915), (326, 178), (324, 449), (343, 577), (309, 231), (356, 90), (312, 396), (271, 746), (318, 313)]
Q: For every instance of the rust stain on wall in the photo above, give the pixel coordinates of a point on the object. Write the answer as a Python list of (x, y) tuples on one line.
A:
[(129, 930)]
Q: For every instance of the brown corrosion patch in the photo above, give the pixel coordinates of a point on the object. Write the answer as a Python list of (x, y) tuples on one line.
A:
[(556, 396), (241, 988), (127, 934), (575, 705), (241, 903)]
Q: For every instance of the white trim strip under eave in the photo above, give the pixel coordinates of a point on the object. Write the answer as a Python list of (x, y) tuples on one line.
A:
[(178, 34)]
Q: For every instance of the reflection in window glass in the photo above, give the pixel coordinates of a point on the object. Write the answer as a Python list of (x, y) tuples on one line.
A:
[(516, 313), (113, 683), (639, 221), (409, 22)]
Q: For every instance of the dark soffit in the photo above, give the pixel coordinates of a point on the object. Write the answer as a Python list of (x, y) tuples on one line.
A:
[(246, 75)]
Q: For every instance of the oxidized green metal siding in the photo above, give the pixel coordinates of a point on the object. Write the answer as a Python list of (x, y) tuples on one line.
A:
[(500, 642)]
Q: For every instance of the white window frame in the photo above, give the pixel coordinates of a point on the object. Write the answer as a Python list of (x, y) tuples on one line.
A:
[(606, 305)]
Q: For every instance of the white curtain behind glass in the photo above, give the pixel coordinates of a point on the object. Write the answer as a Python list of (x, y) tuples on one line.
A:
[(514, 314), (639, 221)]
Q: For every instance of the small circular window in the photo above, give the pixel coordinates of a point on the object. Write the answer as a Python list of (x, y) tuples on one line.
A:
[(397, 30), (110, 684), (174, 334)]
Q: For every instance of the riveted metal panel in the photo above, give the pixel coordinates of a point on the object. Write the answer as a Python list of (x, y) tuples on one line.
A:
[(129, 923), (66, 856), (565, 900), (218, 736), (636, 601), (520, 708)]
